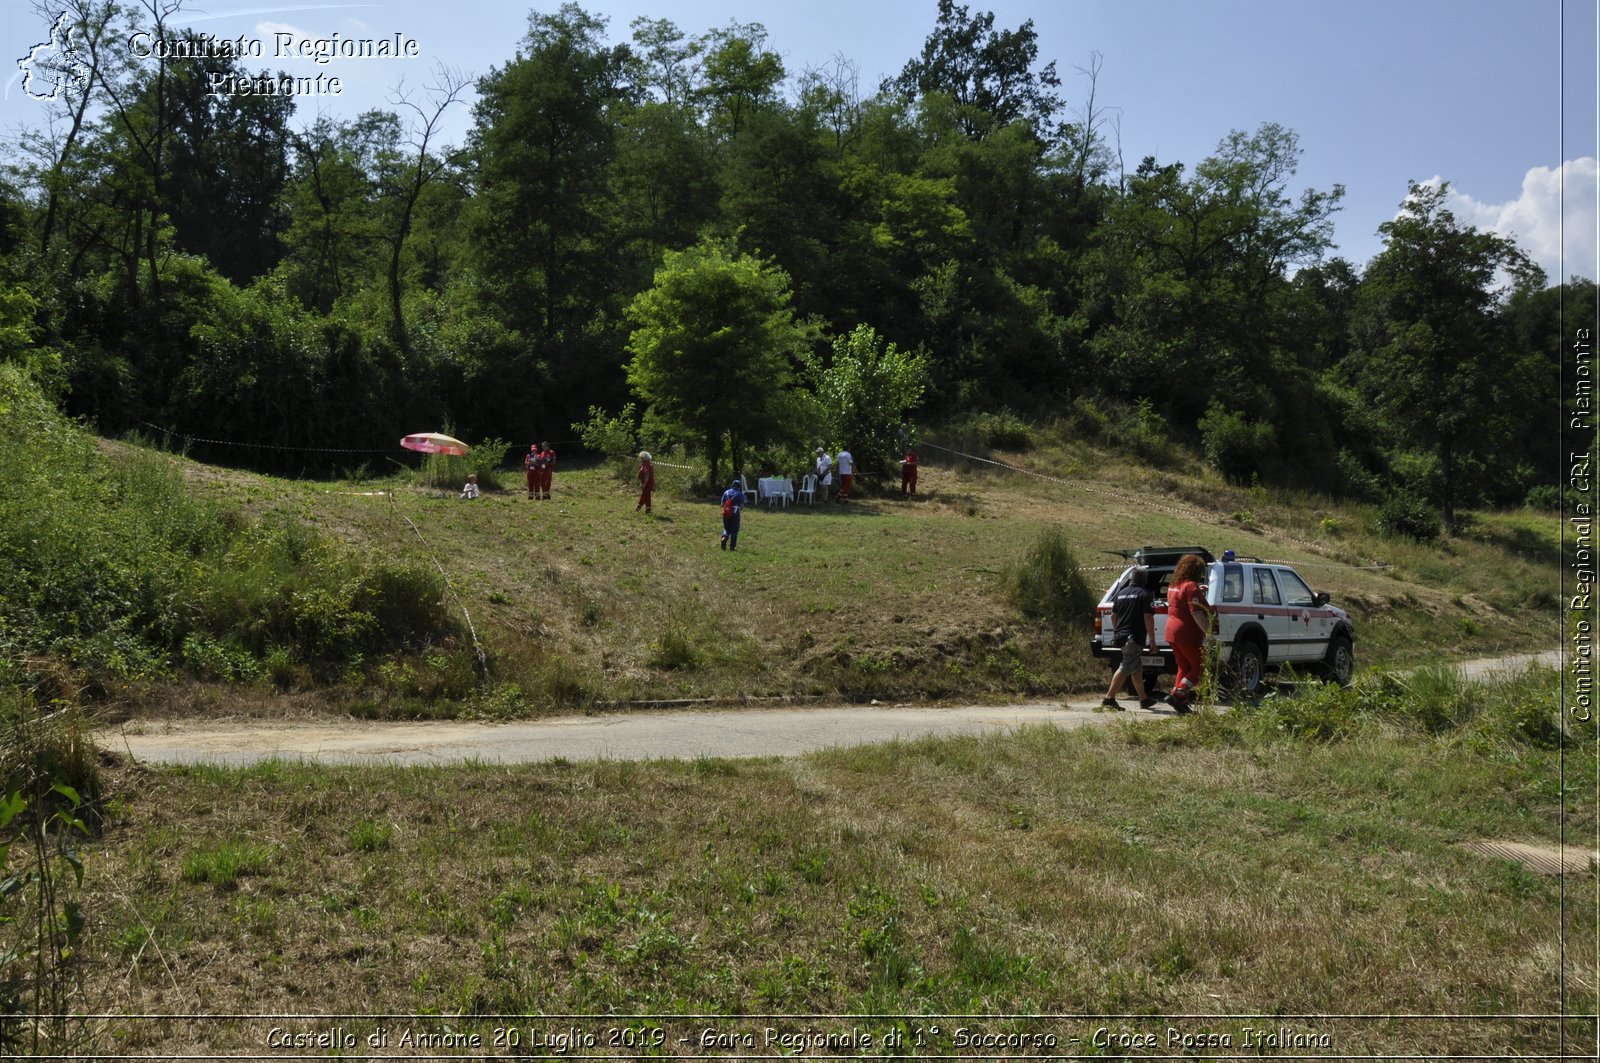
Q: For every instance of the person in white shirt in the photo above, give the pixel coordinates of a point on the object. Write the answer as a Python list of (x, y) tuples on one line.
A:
[(471, 489), (824, 473), (847, 473)]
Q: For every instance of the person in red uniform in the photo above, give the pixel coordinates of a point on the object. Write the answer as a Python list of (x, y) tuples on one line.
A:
[(546, 466), (530, 462), (908, 472), (647, 481), (1189, 619)]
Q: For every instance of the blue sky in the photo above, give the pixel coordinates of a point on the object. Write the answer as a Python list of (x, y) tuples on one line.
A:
[(1496, 96)]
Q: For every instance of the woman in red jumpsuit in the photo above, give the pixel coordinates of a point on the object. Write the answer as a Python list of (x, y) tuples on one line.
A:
[(647, 481), (1188, 621)]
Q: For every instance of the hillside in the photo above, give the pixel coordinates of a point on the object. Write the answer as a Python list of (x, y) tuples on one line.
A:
[(581, 600), (1312, 855), (149, 583)]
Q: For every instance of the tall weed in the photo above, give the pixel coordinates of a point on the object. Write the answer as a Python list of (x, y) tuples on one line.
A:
[(49, 778), (1047, 583), (1517, 710)]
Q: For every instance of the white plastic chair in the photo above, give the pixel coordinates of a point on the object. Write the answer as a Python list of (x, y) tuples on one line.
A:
[(808, 489)]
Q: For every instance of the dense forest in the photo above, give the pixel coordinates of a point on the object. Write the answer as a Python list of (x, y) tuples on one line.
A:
[(678, 239)]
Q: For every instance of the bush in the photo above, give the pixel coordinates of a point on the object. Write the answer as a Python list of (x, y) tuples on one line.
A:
[(995, 431), (1551, 498), (1408, 515), (1357, 480), (1436, 701), (1233, 446), (1316, 712), (113, 566), (1087, 419), (615, 438), (487, 459), (1048, 584)]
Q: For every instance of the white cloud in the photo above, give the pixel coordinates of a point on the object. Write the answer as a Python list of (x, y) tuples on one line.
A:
[(268, 31), (1555, 204)]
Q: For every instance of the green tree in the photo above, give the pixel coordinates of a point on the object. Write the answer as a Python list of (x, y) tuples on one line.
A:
[(1544, 325), (714, 348), (739, 76), (226, 167), (1430, 346), (405, 190), (545, 223), (1194, 275), (865, 396), (544, 144), (332, 206), (987, 74), (91, 30)]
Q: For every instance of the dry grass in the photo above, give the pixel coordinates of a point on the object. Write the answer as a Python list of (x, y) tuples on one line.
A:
[(1198, 866)]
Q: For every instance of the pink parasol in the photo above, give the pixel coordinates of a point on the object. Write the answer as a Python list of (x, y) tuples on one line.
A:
[(434, 443)]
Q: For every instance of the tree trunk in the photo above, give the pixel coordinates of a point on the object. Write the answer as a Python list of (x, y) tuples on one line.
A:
[(1448, 502)]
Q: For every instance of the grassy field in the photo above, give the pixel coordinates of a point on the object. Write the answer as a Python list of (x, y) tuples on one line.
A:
[(581, 601), (149, 584), (1252, 871), (1257, 871)]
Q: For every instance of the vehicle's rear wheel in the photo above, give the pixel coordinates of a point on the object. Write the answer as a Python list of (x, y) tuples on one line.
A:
[(1248, 666), (1340, 664)]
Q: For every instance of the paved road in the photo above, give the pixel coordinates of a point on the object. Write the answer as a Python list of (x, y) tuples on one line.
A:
[(641, 735)]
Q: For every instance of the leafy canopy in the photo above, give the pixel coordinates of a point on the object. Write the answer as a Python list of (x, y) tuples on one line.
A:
[(1428, 335), (866, 393), (714, 346)]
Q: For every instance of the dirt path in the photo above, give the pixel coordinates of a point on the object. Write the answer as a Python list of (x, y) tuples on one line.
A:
[(643, 735)]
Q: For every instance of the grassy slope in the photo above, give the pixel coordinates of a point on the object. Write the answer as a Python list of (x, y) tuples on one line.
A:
[(1211, 865), (581, 600)]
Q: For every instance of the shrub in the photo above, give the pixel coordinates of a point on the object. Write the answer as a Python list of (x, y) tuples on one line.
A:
[(1358, 481), (114, 567), (1233, 446), (615, 438), (996, 431), (1089, 421), (1408, 515), (1048, 584), (487, 459), (1551, 497), (1147, 435)]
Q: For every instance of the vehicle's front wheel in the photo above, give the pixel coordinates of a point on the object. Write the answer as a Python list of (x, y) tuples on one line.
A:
[(1340, 664), (1248, 666)]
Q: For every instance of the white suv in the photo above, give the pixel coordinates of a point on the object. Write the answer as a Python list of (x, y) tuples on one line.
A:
[(1267, 617)]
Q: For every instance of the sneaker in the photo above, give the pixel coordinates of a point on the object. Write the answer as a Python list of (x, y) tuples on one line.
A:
[(1148, 703), (722, 544), (1110, 703), (1177, 701)]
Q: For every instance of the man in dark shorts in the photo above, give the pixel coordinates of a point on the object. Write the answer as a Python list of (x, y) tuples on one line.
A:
[(1133, 627)]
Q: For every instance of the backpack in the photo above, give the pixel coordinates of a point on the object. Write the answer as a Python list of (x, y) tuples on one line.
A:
[(727, 508)]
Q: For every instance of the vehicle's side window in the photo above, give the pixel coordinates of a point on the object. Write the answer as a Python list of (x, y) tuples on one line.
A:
[(1232, 583), (1295, 591), (1266, 588)]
